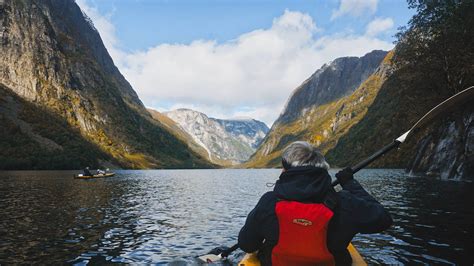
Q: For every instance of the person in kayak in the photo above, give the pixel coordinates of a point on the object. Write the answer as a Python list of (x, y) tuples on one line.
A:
[(304, 221), (86, 172)]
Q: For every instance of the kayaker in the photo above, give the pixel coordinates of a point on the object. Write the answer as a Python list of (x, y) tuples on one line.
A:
[(86, 172), (304, 221)]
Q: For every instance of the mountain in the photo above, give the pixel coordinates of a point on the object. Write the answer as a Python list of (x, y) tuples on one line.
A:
[(55, 67), (226, 141), (325, 106), (443, 149), (382, 108), (248, 130), (332, 81), (177, 131), (432, 61)]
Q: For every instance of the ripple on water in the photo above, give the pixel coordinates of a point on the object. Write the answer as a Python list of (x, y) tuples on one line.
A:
[(170, 216)]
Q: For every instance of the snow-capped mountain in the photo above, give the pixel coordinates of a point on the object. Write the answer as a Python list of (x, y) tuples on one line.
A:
[(226, 141)]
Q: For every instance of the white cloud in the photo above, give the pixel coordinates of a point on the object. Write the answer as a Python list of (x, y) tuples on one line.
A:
[(355, 8), (252, 75), (379, 25)]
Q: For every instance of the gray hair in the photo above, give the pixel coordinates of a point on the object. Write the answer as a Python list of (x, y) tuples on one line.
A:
[(302, 153)]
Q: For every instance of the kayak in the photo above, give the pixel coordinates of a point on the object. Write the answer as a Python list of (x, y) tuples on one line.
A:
[(251, 259), (80, 176)]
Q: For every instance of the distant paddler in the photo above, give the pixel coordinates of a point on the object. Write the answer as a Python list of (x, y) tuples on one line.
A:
[(99, 174), (86, 172)]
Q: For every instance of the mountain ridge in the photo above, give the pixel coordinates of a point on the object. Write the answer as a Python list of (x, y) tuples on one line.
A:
[(53, 57), (227, 141), (325, 112)]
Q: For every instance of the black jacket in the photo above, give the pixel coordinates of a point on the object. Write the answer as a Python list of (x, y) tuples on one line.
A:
[(356, 212)]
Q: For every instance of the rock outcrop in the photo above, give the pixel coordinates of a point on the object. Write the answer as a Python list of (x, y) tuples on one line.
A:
[(447, 150)]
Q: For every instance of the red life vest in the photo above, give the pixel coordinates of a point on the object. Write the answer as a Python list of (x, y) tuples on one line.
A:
[(302, 236)]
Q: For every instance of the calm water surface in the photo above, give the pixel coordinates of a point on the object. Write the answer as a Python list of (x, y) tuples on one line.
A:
[(170, 216)]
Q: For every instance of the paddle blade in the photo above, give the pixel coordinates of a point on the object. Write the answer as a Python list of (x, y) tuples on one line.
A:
[(214, 255), (209, 258)]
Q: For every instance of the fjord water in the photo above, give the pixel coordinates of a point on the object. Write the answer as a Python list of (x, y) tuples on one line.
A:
[(170, 216)]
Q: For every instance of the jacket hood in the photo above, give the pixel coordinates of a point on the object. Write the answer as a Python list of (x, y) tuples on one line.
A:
[(305, 183)]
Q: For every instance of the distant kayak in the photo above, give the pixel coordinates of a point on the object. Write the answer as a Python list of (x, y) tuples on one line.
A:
[(251, 259), (81, 176)]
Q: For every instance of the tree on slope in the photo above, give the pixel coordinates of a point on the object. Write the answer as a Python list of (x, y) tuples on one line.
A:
[(439, 39)]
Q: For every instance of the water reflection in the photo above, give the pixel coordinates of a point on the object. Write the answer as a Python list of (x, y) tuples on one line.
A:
[(171, 216)]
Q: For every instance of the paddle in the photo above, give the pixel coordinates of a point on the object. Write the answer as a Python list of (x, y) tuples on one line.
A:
[(453, 101), (217, 254), (450, 103)]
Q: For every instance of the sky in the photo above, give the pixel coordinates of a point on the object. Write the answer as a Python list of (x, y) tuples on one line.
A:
[(236, 58)]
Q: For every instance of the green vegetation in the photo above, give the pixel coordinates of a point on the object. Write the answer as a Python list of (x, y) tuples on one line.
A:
[(323, 125), (433, 60), (44, 142), (80, 109), (438, 43)]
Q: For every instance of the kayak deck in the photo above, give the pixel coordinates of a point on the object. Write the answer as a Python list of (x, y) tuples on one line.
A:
[(251, 259), (94, 176)]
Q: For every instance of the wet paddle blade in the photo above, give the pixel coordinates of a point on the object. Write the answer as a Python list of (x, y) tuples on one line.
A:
[(209, 258)]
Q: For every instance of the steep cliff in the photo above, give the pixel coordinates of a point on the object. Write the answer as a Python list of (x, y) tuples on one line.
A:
[(31, 137), (325, 106), (179, 132), (226, 141), (403, 98), (332, 81), (432, 61), (53, 57), (249, 131), (447, 150)]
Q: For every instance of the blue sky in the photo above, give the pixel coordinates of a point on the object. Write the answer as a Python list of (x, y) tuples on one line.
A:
[(236, 58)]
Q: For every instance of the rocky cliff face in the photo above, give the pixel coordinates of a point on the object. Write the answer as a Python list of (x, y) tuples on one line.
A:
[(179, 132), (249, 131), (53, 57), (226, 141), (443, 149), (31, 137), (331, 82), (384, 106), (325, 106), (448, 149)]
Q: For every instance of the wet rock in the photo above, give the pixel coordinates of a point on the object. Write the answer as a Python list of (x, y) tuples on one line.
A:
[(448, 151)]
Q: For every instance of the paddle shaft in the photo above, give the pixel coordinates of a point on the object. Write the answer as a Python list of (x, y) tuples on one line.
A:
[(230, 250), (373, 157)]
